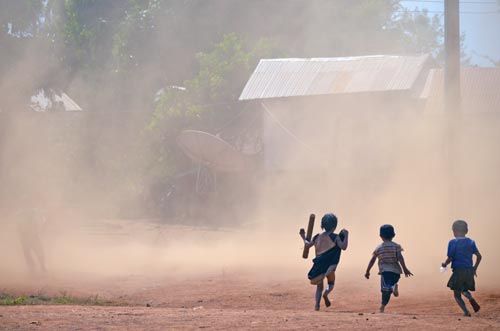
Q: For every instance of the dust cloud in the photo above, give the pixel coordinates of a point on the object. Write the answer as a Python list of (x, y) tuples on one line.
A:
[(394, 170), (373, 163), (389, 164)]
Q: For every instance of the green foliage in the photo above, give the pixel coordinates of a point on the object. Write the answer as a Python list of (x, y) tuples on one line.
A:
[(115, 44), (62, 299), (422, 33), (23, 16), (6, 300), (113, 55), (138, 22), (208, 100), (220, 78), (79, 33), (221, 75)]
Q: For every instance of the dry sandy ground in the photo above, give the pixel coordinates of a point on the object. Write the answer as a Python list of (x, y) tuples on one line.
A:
[(229, 302), (159, 294)]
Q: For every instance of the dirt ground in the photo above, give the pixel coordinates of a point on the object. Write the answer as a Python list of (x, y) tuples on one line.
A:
[(230, 302), (221, 287)]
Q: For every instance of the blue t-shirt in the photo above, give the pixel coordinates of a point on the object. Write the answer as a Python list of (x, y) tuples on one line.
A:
[(460, 251)]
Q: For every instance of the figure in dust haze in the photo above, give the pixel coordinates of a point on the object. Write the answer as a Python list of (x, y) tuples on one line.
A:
[(460, 251), (390, 262), (30, 222), (328, 246)]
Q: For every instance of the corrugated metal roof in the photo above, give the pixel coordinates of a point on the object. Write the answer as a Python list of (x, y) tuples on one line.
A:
[(275, 78), (480, 88), (69, 104), (48, 99)]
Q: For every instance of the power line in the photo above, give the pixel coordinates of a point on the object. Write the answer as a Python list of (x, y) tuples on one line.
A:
[(284, 128), (461, 2), (442, 12), (480, 12)]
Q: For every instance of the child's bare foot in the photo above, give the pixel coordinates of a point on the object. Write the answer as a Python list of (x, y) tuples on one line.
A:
[(327, 301), (474, 305), (382, 308), (395, 290)]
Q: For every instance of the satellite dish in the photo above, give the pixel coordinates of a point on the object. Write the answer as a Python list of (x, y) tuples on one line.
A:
[(213, 152)]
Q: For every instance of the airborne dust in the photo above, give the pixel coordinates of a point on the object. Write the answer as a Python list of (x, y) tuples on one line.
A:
[(368, 166), (399, 175)]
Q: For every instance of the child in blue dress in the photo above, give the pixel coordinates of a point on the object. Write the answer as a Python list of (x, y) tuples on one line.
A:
[(460, 251), (328, 246)]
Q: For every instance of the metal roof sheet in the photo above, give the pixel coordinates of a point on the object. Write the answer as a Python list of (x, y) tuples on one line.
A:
[(480, 90), (275, 78), (47, 99)]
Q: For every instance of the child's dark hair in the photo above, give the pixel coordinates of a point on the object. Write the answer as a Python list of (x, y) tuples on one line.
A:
[(460, 226), (387, 231), (329, 222)]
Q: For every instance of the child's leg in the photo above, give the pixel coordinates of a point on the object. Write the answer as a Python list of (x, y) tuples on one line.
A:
[(386, 289), (319, 291), (472, 301), (331, 283), (386, 296), (461, 303), (28, 258), (39, 253), (395, 290), (330, 276)]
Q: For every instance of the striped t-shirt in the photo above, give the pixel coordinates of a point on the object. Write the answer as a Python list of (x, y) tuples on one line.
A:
[(387, 254)]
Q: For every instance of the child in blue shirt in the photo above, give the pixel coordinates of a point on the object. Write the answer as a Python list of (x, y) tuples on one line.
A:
[(460, 251)]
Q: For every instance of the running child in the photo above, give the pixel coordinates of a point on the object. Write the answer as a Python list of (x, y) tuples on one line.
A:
[(390, 262), (328, 246), (460, 251)]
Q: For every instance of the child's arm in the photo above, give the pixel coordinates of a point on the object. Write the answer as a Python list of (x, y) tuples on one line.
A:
[(449, 254), (401, 260), (445, 263), (307, 243), (479, 257), (370, 265), (342, 244)]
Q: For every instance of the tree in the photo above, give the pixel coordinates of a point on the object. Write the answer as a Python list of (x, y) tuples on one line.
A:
[(100, 50), (115, 44), (114, 56), (209, 99), (21, 18), (420, 32)]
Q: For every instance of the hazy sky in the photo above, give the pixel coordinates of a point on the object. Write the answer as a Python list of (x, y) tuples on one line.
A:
[(479, 20)]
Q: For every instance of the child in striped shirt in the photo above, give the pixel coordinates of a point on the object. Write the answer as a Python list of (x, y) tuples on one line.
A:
[(390, 262)]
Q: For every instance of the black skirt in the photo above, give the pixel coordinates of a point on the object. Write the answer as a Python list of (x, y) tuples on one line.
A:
[(322, 262), (462, 280)]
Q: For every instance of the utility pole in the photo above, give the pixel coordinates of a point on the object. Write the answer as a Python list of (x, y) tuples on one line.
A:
[(452, 100), (452, 56)]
